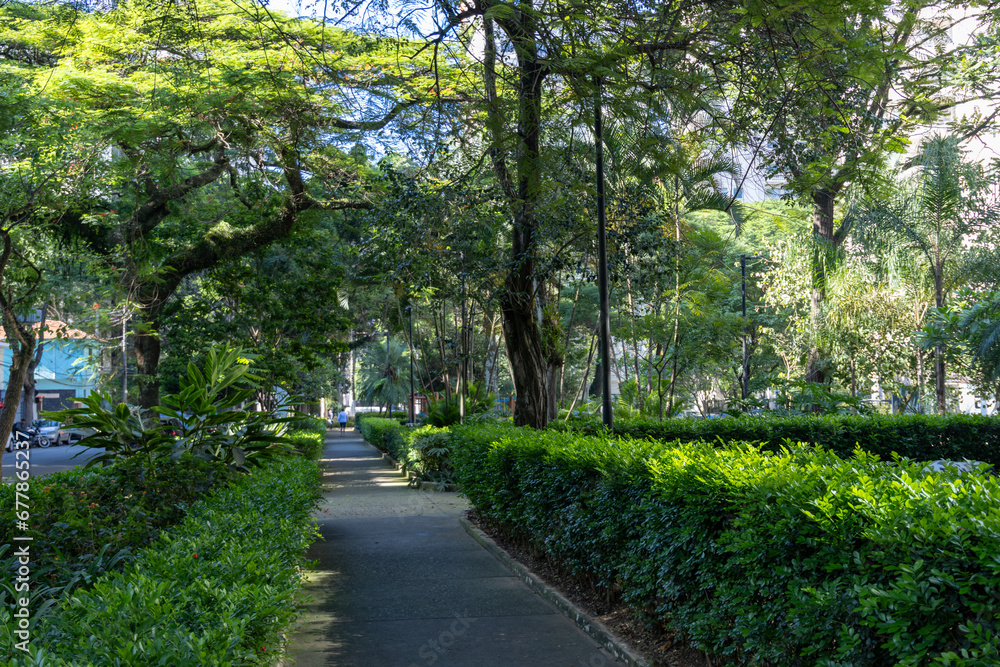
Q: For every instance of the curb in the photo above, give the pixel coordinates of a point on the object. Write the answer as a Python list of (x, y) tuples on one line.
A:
[(420, 484), (595, 629)]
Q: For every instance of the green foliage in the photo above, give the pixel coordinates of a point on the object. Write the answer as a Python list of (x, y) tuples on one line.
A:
[(446, 412), (384, 376), (216, 590), (443, 412), (206, 411), (425, 450), (307, 435), (800, 396), (85, 522), (917, 437), (386, 434), (795, 557), (429, 454)]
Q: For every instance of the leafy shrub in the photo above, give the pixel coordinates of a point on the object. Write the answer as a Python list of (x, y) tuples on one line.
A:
[(306, 423), (215, 590), (84, 522), (206, 411), (386, 434), (443, 413), (429, 454), (307, 436), (918, 437), (794, 557)]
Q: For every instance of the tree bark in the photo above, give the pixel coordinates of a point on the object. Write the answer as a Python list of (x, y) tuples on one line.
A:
[(826, 240), (939, 369)]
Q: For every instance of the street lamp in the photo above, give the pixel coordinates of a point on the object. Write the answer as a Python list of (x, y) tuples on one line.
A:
[(602, 264), (743, 292), (413, 409)]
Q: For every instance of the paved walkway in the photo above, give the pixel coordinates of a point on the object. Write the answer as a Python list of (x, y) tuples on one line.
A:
[(399, 583)]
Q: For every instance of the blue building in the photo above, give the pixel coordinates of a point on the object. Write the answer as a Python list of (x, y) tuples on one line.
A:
[(68, 368)]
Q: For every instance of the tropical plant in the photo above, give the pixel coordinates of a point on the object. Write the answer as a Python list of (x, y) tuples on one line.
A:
[(934, 214), (206, 412), (385, 375)]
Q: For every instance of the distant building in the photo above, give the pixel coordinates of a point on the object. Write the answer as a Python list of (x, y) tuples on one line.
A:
[(65, 371)]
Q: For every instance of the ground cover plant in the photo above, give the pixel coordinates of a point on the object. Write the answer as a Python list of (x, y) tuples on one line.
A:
[(918, 437), (795, 557), (217, 589)]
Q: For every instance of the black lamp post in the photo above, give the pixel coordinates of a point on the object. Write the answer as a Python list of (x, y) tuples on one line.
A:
[(413, 409), (743, 293), (602, 265)]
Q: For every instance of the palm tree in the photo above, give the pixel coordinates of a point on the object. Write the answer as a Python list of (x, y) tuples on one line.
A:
[(932, 215), (385, 374), (982, 323)]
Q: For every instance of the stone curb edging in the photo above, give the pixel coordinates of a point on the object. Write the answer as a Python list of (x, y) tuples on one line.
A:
[(595, 629), (420, 484)]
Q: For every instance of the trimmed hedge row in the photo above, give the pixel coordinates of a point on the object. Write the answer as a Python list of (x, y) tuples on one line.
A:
[(307, 436), (788, 558), (918, 437), (215, 590), (425, 450), (86, 521)]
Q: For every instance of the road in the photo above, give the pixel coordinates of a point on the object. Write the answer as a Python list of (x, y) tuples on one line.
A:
[(52, 459)]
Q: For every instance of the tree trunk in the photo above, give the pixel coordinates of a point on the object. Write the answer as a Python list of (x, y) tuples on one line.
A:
[(520, 325), (586, 373), (939, 369), (569, 331), (146, 344), (22, 349), (28, 395), (524, 351), (921, 379)]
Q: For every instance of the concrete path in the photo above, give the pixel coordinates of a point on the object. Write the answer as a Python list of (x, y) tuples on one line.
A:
[(399, 583)]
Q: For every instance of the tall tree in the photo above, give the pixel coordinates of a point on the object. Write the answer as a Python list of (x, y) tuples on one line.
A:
[(216, 125), (938, 214), (540, 58), (849, 92)]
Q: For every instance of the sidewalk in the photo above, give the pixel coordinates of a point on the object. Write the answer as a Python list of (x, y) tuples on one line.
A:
[(399, 583)]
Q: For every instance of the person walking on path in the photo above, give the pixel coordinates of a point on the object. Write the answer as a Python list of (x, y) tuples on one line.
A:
[(342, 418)]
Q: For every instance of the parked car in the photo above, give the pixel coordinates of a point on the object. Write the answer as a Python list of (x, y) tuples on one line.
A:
[(58, 433)]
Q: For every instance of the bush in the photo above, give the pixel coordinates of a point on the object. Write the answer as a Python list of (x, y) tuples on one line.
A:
[(307, 436), (918, 437), (87, 521), (215, 590), (387, 435), (795, 557), (429, 454), (425, 450), (207, 413)]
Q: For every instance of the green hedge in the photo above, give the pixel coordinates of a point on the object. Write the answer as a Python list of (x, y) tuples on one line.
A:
[(792, 558), (386, 434), (918, 437), (214, 590), (307, 435), (86, 521)]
